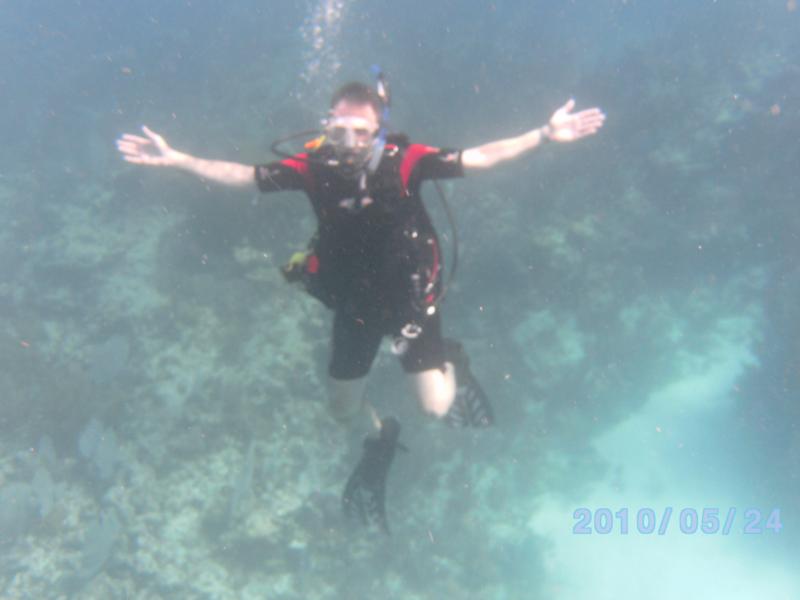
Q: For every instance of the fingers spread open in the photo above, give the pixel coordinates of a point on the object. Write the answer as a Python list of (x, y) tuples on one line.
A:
[(125, 145), (591, 119), (129, 137)]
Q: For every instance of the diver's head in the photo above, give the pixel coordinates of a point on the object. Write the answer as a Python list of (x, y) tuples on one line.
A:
[(353, 125)]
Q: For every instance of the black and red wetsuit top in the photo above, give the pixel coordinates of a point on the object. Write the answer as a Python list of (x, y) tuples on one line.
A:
[(367, 240)]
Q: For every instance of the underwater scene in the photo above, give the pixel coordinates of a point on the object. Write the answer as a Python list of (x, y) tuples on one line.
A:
[(357, 299)]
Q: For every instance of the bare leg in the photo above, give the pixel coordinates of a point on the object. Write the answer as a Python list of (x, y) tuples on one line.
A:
[(346, 397), (435, 389)]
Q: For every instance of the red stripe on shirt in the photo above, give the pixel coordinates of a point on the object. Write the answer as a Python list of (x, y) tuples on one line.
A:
[(299, 163), (413, 154)]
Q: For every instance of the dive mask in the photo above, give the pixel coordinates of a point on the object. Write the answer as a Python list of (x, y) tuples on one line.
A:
[(352, 139)]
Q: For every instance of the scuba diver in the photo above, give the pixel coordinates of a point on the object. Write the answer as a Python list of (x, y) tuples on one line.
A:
[(375, 259)]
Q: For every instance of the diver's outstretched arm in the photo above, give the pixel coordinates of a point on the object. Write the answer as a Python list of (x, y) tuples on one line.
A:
[(562, 127), (154, 151)]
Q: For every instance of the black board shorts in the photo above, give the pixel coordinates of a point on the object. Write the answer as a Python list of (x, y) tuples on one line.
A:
[(356, 342)]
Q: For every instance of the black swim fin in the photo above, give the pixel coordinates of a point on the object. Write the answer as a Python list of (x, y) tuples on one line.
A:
[(364, 495), (471, 407)]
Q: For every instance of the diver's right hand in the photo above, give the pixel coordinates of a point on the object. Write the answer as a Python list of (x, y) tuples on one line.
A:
[(152, 150)]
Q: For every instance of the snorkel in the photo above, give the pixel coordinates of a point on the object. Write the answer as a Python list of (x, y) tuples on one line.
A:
[(382, 89)]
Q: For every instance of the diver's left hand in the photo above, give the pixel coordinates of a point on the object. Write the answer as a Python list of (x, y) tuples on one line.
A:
[(566, 127)]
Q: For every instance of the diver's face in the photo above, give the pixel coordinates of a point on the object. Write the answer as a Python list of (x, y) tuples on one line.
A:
[(364, 112), (351, 130)]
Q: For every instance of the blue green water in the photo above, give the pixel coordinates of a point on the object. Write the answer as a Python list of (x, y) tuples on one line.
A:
[(629, 303)]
